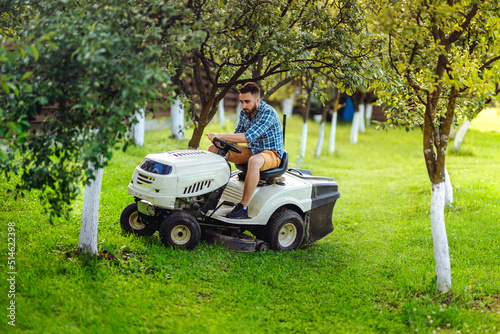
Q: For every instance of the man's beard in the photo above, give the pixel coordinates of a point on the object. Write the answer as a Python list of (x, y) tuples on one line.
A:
[(251, 111)]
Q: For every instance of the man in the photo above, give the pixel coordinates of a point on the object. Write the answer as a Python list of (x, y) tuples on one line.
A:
[(260, 138)]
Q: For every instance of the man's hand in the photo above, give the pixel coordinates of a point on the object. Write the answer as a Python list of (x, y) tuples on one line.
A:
[(212, 135)]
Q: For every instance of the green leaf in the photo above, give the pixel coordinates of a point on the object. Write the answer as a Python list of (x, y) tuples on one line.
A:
[(35, 51), (6, 88), (14, 88), (26, 75)]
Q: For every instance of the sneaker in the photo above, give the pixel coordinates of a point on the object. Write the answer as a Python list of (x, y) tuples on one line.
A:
[(239, 212)]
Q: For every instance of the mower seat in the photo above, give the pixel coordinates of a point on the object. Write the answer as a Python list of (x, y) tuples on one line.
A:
[(270, 173)]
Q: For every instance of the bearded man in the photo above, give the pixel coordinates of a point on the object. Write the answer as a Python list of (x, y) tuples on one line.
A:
[(259, 136)]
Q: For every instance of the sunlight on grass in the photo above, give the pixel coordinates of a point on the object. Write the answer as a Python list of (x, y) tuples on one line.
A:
[(487, 120)]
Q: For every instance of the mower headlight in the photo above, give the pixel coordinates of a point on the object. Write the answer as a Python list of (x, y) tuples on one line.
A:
[(155, 167)]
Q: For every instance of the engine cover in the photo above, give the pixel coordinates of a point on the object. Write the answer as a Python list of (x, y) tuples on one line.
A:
[(162, 178)]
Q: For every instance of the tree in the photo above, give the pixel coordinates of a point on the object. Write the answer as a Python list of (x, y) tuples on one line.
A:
[(308, 83), (441, 63), (332, 101), (256, 40), (94, 64)]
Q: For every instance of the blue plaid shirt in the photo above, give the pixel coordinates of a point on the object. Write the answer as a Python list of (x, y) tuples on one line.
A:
[(264, 131)]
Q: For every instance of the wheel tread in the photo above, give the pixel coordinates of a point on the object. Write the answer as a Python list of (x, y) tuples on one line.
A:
[(276, 222)]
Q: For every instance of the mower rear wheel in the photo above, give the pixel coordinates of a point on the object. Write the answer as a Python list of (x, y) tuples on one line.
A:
[(180, 230), (131, 222), (285, 230)]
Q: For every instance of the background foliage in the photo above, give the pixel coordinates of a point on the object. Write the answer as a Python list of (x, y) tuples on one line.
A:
[(272, 43), (94, 64)]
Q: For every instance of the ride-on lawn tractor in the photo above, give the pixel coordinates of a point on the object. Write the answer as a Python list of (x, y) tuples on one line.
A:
[(186, 194)]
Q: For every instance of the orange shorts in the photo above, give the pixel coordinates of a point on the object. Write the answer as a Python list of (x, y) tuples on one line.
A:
[(271, 158)]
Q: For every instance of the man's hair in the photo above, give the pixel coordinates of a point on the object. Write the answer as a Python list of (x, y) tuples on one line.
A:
[(250, 87)]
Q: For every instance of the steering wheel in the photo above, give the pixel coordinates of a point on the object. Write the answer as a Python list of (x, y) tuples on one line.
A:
[(224, 147)]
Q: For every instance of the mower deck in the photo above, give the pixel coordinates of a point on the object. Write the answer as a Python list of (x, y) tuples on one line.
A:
[(236, 241)]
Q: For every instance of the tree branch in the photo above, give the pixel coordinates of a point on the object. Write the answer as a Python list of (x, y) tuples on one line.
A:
[(278, 86), (200, 87), (488, 63), (454, 36)]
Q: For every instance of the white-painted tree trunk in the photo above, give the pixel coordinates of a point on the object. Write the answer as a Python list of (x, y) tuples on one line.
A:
[(333, 132), (439, 238), (238, 110), (453, 132), (368, 114), (459, 137), (449, 189), (139, 128), (361, 108), (321, 136), (221, 113), (288, 106), (355, 128), (90, 214), (177, 119), (303, 144)]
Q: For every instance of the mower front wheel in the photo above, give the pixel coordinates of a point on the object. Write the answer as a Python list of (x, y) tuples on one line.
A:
[(131, 222), (285, 230), (180, 230)]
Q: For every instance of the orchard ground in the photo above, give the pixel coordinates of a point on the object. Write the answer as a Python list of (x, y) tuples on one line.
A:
[(373, 274)]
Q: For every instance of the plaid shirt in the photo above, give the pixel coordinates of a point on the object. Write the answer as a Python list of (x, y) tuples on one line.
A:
[(264, 131)]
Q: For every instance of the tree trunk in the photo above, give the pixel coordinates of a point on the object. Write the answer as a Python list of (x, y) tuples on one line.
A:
[(439, 238), (288, 106), (321, 136), (459, 136), (368, 114), (139, 128), (305, 115), (221, 113), (355, 128), (194, 143), (203, 121), (237, 116), (333, 132), (177, 119), (209, 101), (435, 144), (90, 214), (303, 144), (324, 114), (361, 108), (449, 188)]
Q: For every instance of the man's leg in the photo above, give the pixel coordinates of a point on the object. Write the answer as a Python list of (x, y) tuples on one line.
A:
[(255, 163), (214, 149)]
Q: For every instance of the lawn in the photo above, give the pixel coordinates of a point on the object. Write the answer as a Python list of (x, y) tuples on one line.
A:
[(373, 274)]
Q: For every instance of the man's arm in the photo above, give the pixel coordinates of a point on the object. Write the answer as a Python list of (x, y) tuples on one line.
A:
[(231, 138)]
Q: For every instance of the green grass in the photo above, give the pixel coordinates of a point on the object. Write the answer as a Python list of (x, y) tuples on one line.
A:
[(373, 274)]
